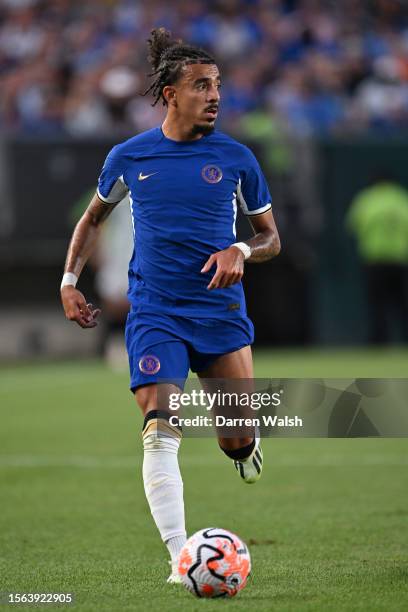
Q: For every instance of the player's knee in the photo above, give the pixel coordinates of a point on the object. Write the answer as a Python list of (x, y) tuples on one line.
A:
[(160, 433)]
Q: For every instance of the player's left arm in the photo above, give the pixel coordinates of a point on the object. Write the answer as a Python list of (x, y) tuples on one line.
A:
[(264, 245)]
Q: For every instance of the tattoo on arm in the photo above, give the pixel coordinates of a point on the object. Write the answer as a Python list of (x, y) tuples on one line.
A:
[(99, 211), (85, 235), (264, 246)]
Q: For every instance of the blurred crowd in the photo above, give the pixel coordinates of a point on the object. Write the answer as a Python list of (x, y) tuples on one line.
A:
[(314, 66)]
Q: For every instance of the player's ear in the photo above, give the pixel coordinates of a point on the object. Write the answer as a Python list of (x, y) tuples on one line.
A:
[(169, 94)]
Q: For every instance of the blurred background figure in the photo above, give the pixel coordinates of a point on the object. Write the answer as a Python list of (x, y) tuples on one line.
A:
[(378, 218), (110, 263)]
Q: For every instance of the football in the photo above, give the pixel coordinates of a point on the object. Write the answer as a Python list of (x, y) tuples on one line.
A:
[(214, 563)]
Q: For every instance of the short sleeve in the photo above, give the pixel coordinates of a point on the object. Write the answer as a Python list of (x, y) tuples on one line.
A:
[(111, 185), (252, 192)]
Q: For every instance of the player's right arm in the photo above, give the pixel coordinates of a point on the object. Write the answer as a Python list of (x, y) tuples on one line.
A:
[(82, 244)]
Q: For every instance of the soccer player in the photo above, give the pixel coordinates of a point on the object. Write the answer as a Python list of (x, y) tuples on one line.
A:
[(187, 304)]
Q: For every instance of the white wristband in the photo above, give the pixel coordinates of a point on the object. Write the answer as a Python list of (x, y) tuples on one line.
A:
[(69, 278), (244, 248)]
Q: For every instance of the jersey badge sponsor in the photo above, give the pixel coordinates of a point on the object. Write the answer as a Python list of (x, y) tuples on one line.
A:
[(211, 173), (149, 364)]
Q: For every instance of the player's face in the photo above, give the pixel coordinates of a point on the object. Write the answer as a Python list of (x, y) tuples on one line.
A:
[(198, 96)]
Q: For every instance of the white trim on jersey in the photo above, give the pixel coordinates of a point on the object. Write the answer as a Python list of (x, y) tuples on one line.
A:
[(235, 208), (131, 214), (116, 194), (244, 206)]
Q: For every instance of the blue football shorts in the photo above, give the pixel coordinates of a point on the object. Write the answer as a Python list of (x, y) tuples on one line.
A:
[(164, 348)]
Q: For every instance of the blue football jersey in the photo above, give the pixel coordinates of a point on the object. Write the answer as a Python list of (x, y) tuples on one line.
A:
[(183, 198)]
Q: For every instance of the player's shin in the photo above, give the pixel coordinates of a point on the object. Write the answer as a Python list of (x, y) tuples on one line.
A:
[(162, 480)]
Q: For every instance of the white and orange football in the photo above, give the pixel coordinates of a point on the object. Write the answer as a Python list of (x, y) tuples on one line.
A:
[(214, 563)]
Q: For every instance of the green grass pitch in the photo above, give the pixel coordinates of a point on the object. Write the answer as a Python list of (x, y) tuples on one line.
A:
[(326, 525)]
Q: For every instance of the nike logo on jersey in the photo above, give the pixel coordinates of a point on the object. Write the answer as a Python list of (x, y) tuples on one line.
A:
[(142, 177)]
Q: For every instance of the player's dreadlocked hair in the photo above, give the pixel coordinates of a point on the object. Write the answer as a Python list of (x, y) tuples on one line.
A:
[(167, 57)]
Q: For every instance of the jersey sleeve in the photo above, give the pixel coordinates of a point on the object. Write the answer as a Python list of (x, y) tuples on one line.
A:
[(252, 192), (111, 185)]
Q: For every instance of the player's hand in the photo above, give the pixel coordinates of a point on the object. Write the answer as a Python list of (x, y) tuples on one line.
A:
[(76, 308), (230, 268)]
